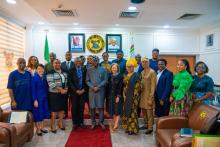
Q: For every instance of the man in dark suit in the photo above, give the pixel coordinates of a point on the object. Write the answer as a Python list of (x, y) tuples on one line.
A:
[(68, 64), (77, 89), (163, 89)]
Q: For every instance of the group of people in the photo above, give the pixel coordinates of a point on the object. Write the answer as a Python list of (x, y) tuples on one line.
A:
[(129, 88)]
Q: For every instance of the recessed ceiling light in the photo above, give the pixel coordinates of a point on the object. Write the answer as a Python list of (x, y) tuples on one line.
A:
[(11, 1), (75, 24), (166, 26), (132, 8), (117, 24), (41, 23)]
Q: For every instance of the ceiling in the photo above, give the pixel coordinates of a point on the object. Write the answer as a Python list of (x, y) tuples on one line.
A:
[(153, 13)]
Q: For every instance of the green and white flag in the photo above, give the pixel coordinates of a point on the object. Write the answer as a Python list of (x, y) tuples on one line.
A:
[(46, 51)]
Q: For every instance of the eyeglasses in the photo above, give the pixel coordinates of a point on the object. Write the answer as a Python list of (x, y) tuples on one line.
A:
[(200, 67), (129, 66)]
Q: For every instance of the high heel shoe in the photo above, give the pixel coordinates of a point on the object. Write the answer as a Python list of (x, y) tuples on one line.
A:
[(115, 128), (39, 133)]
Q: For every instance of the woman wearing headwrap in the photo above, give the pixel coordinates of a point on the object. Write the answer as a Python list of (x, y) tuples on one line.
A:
[(131, 93)]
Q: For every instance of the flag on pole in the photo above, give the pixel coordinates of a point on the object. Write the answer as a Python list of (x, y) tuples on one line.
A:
[(46, 51), (132, 50)]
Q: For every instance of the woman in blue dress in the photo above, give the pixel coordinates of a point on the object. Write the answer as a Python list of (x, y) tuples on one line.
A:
[(40, 99), (203, 85)]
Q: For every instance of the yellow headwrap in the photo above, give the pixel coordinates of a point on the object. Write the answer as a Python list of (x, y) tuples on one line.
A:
[(132, 61)]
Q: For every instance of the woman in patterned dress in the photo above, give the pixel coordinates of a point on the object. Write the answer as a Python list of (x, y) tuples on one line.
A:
[(181, 98), (131, 93)]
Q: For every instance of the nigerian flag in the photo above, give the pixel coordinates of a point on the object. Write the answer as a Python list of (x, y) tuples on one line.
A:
[(132, 51), (46, 51)]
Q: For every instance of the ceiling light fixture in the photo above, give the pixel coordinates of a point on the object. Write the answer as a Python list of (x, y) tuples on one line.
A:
[(75, 24), (41, 23), (166, 26), (132, 8), (137, 1), (11, 1)]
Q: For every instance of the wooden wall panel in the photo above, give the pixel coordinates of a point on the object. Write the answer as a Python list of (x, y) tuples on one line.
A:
[(12, 46), (173, 59)]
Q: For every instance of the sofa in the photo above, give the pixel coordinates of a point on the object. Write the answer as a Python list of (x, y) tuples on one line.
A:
[(202, 118), (15, 135)]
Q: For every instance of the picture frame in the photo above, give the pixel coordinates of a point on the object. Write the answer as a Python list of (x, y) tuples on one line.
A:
[(113, 42), (76, 42), (209, 40)]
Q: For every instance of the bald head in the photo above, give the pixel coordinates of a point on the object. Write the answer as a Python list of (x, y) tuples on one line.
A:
[(52, 57), (21, 63)]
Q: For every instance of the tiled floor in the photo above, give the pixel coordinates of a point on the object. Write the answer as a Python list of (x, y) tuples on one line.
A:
[(119, 138)]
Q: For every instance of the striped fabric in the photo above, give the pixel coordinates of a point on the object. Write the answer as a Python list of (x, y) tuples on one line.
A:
[(54, 80)]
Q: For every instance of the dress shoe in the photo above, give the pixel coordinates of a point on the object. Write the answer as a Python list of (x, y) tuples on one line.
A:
[(74, 127), (143, 128), (131, 133), (102, 126), (63, 128), (149, 131), (81, 125), (92, 127), (44, 131), (54, 131)]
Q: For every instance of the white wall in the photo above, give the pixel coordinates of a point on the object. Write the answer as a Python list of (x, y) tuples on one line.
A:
[(176, 41), (211, 55)]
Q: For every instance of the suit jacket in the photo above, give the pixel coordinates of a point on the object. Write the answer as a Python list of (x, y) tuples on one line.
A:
[(65, 68), (73, 80), (164, 86)]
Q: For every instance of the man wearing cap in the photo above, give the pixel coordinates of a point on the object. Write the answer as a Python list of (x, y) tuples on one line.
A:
[(96, 79), (154, 61), (120, 61)]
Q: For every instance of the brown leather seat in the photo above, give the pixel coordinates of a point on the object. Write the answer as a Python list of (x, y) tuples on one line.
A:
[(167, 128), (15, 135)]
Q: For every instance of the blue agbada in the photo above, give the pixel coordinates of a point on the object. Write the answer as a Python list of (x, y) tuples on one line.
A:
[(40, 93), (20, 83), (153, 64)]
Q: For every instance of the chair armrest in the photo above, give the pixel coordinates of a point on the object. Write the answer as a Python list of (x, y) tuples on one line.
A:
[(182, 142), (5, 115), (172, 122), (4, 137), (12, 131)]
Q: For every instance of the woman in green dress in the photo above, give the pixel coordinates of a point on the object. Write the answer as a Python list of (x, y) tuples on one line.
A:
[(181, 98), (131, 93)]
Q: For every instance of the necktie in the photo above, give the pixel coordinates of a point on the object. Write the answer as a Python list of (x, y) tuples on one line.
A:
[(68, 65)]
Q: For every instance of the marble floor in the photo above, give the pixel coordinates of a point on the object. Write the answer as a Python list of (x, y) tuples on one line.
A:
[(119, 138)]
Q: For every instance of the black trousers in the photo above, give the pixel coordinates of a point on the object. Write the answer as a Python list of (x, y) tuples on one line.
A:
[(78, 102)]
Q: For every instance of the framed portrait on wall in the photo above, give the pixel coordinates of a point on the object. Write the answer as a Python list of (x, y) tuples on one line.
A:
[(113, 42), (209, 40), (76, 42)]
